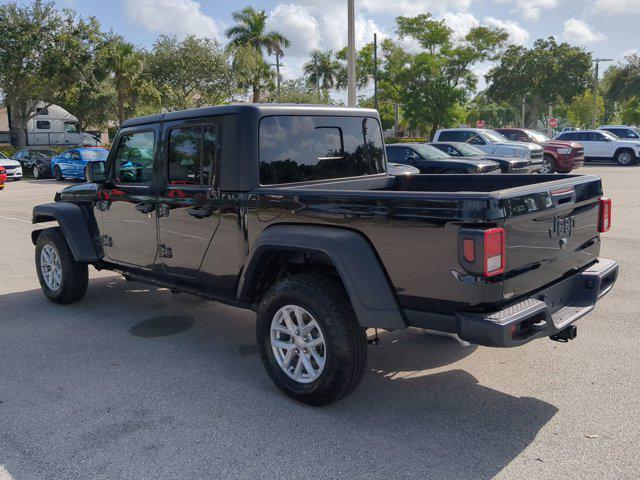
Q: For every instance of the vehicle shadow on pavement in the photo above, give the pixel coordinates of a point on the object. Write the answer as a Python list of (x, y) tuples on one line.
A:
[(134, 382)]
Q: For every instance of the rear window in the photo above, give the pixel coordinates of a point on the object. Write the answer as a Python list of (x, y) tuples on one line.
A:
[(304, 148)]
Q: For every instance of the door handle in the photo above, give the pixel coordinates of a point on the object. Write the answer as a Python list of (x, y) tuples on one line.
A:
[(145, 207), (199, 212)]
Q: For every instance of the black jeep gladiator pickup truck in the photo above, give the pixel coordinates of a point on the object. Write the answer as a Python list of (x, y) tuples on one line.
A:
[(288, 210)]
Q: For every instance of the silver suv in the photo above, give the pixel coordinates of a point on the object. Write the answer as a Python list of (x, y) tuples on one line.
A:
[(493, 143)]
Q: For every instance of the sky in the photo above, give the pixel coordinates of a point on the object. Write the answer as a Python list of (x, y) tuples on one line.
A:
[(608, 28)]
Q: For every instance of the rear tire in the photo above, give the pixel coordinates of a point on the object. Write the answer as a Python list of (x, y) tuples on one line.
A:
[(625, 157), (36, 172), (58, 173), (332, 371), (62, 278)]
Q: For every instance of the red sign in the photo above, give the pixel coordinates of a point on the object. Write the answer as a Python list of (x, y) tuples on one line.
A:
[(480, 124), (553, 122)]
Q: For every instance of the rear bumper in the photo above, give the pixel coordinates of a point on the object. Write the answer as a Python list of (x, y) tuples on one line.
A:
[(544, 313)]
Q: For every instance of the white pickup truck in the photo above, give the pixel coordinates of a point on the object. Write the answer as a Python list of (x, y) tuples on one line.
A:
[(494, 143), (603, 145)]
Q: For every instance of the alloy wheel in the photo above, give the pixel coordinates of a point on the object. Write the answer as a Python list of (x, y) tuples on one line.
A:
[(51, 267), (298, 344)]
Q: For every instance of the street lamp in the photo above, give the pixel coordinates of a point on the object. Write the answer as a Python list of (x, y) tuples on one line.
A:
[(595, 89), (351, 54)]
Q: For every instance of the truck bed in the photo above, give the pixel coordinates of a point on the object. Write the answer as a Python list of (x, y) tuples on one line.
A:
[(413, 223)]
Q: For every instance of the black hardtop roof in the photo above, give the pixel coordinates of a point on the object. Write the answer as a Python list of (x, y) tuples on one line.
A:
[(261, 109)]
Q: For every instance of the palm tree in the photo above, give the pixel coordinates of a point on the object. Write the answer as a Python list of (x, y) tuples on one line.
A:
[(250, 31), (322, 70)]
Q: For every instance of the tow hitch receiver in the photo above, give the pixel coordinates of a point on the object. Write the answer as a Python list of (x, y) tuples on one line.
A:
[(566, 334)]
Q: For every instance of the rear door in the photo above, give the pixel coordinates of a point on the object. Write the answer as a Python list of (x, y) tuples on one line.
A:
[(188, 202), (551, 229)]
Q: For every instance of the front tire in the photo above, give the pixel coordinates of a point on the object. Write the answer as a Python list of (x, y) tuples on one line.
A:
[(625, 157), (58, 173), (309, 339), (62, 278), (36, 172), (548, 165)]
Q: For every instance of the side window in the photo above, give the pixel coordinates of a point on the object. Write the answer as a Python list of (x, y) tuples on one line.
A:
[(194, 154), (66, 155), (632, 134), (75, 155), (451, 151), (134, 158), (185, 155), (474, 139), (581, 136), (393, 154), (597, 137), (511, 135), (43, 125), (451, 136)]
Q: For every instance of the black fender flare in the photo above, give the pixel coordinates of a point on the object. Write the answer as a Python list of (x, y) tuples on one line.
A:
[(74, 228), (362, 273)]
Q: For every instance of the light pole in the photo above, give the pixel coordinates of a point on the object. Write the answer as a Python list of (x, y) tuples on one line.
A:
[(375, 71), (595, 89), (351, 54)]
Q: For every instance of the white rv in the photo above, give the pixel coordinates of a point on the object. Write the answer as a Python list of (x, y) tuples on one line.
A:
[(53, 125)]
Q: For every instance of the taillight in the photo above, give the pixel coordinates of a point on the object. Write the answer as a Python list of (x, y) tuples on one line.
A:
[(494, 249), (604, 216), (482, 252)]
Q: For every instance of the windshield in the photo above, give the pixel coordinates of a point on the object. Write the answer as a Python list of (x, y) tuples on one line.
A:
[(494, 136), (469, 150), (2, 155), (430, 153), (97, 154), (42, 153), (70, 127), (537, 136)]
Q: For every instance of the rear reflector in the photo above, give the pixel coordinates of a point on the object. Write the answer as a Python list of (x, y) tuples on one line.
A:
[(469, 250), (494, 252), (604, 217)]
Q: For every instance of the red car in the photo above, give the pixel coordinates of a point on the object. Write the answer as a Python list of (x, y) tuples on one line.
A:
[(559, 156), (3, 177)]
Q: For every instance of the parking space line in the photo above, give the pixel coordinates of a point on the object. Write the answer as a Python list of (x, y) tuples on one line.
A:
[(16, 219)]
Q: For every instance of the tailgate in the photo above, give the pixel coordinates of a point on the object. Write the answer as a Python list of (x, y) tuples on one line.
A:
[(551, 229)]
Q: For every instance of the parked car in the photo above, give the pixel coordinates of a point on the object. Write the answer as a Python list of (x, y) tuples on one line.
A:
[(73, 163), (37, 161), (624, 132), (602, 145), (559, 156), (507, 164), (399, 169), (428, 159), (315, 236), (3, 177), (493, 143), (12, 167)]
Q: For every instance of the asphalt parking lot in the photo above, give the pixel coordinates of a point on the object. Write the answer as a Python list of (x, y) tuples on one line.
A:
[(134, 383)]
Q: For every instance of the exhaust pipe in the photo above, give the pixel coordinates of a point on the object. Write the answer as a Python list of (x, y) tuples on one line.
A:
[(566, 334)]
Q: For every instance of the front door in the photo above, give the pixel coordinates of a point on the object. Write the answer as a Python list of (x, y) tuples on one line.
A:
[(127, 208), (188, 209)]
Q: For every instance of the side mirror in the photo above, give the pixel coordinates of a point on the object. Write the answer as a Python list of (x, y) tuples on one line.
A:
[(96, 172)]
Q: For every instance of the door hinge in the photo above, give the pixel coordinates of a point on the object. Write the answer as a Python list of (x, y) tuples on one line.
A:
[(105, 241), (164, 251)]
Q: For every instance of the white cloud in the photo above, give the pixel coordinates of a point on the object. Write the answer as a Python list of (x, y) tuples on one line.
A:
[(517, 34), (460, 23), (178, 17), (299, 25), (413, 7), (578, 32), (531, 9), (617, 7)]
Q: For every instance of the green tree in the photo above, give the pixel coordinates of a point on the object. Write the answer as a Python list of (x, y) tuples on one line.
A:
[(322, 70), (364, 66), (433, 84), (620, 84), (191, 73), (251, 71), (128, 71), (299, 90), (250, 31), (631, 111), (548, 73), (580, 110), (42, 52)]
